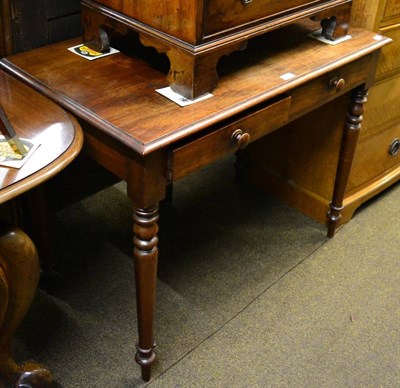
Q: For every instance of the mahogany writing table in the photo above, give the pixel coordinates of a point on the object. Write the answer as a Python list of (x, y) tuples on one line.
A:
[(150, 142)]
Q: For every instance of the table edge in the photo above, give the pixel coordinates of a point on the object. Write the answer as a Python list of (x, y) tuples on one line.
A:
[(167, 139)]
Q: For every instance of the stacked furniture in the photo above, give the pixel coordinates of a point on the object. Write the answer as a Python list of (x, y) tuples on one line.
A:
[(150, 142), (195, 34), (291, 108)]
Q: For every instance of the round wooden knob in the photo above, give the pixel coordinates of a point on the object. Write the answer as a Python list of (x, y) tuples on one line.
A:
[(240, 138), (337, 83)]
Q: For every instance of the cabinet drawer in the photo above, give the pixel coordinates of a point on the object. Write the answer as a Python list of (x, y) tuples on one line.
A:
[(174, 17), (221, 15), (391, 12), (322, 89), (374, 157), (229, 139), (389, 60), (383, 107)]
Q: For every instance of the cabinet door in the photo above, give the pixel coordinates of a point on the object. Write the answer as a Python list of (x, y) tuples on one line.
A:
[(223, 15), (382, 110), (376, 156), (389, 61)]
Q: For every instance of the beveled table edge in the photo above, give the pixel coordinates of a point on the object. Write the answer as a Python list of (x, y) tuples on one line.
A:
[(50, 170)]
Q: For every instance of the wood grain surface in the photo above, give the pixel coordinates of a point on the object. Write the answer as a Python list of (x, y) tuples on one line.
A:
[(117, 93)]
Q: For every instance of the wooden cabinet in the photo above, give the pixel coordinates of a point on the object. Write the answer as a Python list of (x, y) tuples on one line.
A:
[(195, 34), (28, 24), (298, 164), (377, 160)]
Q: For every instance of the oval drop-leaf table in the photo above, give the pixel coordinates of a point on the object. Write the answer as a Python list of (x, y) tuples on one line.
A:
[(39, 120)]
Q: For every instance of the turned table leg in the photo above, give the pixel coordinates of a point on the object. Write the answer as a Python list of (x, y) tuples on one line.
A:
[(19, 276), (145, 230), (349, 143)]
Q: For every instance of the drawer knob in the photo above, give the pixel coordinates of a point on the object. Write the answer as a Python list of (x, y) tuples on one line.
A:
[(394, 147), (337, 83), (246, 1), (240, 138)]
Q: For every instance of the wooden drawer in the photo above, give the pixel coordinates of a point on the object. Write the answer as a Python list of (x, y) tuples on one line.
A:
[(373, 157), (383, 107), (391, 12), (195, 20), (320, 90), (214, 145), (389, 60), (174, 17), (223, 15)]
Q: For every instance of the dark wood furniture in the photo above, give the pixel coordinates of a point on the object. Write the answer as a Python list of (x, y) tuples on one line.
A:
[(150, 142), (29, 24), (40, 120), (195, 34)]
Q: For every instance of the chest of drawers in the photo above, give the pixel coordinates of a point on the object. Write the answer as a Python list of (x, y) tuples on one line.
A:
[(377, 160), (293, 171), (195, 34)]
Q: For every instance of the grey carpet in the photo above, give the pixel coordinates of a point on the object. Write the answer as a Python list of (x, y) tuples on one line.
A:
[(250, 293)]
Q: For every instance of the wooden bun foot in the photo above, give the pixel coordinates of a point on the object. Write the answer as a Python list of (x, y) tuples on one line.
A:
[(19, 275), (33, 375)]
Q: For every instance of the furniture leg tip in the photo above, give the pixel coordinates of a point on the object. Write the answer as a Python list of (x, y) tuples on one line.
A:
[(146, 373), (145, 358), (331, 232), (33, 375)]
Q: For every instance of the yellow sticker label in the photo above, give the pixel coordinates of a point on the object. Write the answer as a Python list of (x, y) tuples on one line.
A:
[(85, 50), (7, 153)]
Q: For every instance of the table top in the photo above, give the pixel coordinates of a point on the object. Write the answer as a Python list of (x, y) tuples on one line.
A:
[(41, 121), (116, 94)]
